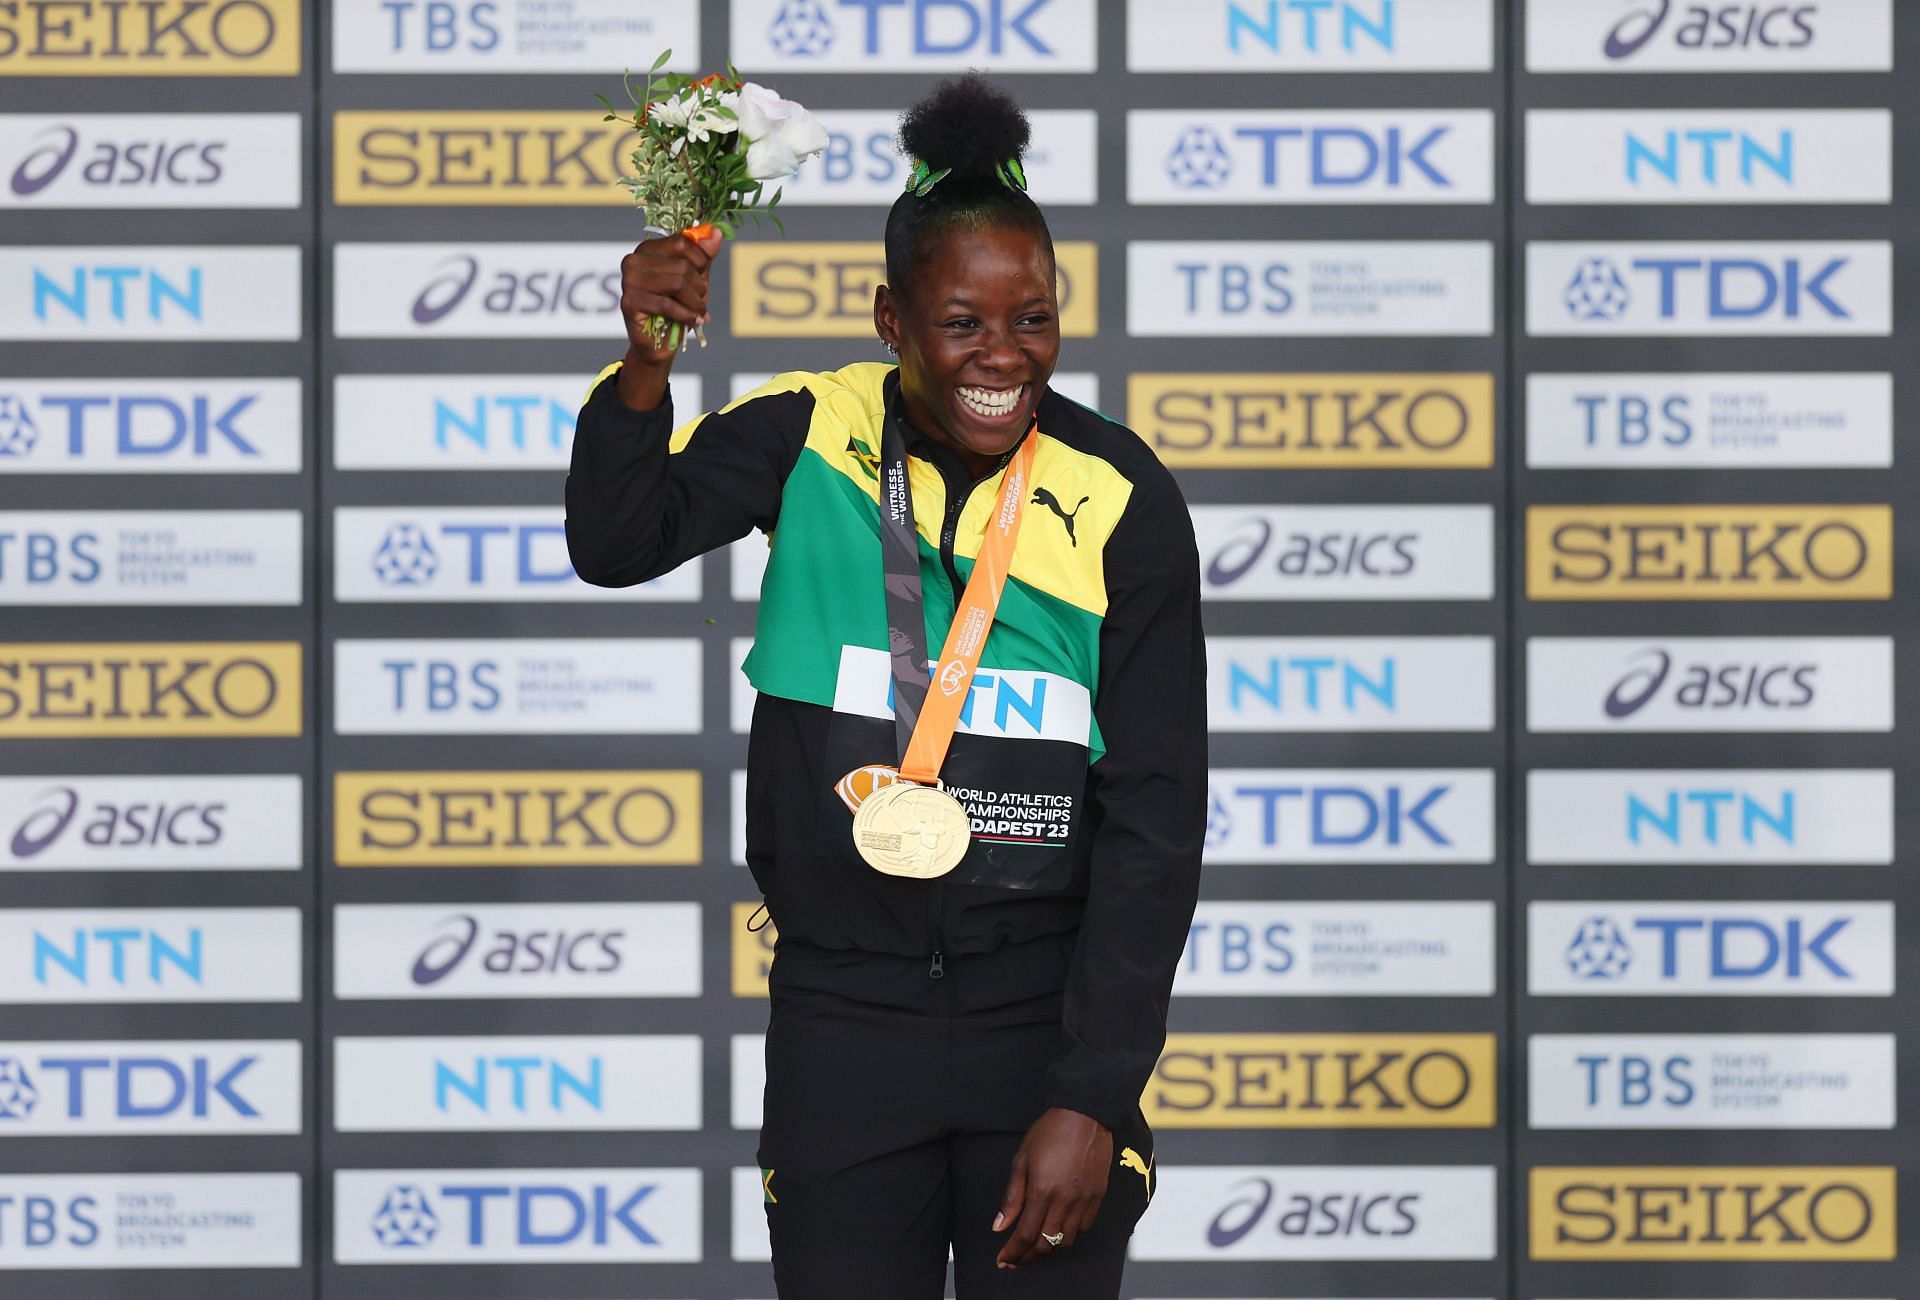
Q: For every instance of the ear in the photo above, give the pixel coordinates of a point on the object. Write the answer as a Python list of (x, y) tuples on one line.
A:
[(886, 315)]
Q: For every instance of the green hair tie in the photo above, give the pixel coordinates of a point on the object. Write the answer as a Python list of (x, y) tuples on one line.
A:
[(922, 179)]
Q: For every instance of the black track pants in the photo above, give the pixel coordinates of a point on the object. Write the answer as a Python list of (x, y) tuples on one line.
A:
[(890, 1131)]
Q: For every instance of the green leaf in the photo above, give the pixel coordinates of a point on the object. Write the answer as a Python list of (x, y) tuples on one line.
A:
[(661, 62), (778, 224)]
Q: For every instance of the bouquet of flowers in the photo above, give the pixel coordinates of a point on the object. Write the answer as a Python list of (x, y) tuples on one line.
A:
[(706, 151)]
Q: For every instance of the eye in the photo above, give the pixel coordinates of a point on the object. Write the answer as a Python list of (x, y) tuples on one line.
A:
[(960, 323), (1036, 320)]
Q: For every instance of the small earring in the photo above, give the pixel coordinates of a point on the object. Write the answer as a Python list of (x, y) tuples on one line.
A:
[(894, 350)]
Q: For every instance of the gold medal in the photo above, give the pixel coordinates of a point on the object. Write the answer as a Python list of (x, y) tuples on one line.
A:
[(919, 831)]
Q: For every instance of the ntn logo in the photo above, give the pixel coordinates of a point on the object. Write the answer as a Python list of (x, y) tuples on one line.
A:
[(1702, 155), (1311, 25), (478, 1080), (79, 957), (86, 288), (486, 420), (1352, 683), (1681, 814)]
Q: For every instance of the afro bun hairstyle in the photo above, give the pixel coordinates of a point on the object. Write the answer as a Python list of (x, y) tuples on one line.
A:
[(971, 127)]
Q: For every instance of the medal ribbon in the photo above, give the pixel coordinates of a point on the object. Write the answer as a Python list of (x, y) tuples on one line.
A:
[(926, 710)]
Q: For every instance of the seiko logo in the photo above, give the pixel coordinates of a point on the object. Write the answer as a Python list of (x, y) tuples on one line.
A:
[(141, 37)]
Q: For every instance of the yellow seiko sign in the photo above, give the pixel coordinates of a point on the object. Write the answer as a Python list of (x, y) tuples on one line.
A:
[(142, 688), (150, 38), (1758, 552), (516, 819), (1322, 1081), (1313, 421), (752, 951), (488, 158), (1776, 1212), (825, 290)]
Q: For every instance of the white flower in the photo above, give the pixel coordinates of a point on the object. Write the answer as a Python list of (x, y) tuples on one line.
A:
[(694, 117), (780, 134)]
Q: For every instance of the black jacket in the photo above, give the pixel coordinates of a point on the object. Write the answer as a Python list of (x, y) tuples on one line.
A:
[(1083, 755)]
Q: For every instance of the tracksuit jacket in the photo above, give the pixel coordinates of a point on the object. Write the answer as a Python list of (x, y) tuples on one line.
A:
[(1081, 752)]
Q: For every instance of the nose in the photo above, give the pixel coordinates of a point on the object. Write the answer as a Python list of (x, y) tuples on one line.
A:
[(999, 349)]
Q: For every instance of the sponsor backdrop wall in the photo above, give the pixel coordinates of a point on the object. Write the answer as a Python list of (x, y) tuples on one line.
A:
[(372, 920)]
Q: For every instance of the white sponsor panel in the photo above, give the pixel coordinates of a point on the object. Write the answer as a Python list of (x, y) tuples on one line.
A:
[(1802, 155), (1350, 36), (1634, 36), (150, 954), (737, 816), (577, 686), (748, 1238), (546, 1216), (741, 694), (1338, 949), (150, 426), (1716, 948), (477, 290), (1318, 289), (1082, 386), (1709, 421), (518, 1084), (150, 160), (150, 557), (410, 554), (175, 1086), (1360, 683), (1013, 703), (143, 1221), (514, 36), (479, 422), (862, 162), (915, 35), (147, 292), (150, 823), (1703, 289), (1343, 156), (749, 1076), (1326, 815), (1710, 1081), (1408, 552), (1825, 815), (516, 950), (1309, 1212), (1820, 683)]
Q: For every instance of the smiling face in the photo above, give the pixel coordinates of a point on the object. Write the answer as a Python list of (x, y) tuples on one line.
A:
[(978, 331)]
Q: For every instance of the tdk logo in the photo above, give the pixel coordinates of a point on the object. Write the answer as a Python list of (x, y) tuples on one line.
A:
[(19, 435), (1356, 815), (1709, 156), (1730, 288), (477, 554), (1314, 157), (120, 293), (1733, 948), (119, 956), (1311, 26), (1709, 817), (112, 1088), (1733, 288), (95, 426), (480, 1215), (805, 29), (519, 1083)]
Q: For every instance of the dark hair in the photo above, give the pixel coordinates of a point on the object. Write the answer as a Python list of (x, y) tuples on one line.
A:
[(969, 126)]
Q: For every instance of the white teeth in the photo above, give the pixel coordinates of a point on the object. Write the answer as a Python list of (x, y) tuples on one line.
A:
[(992, 402)]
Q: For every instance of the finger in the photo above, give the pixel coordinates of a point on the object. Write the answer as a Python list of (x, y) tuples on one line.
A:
[(678, 281), (653, 304), (1014, 1197), (709, 244), (697, 251), (1090, 1212), (1021, 1246)]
